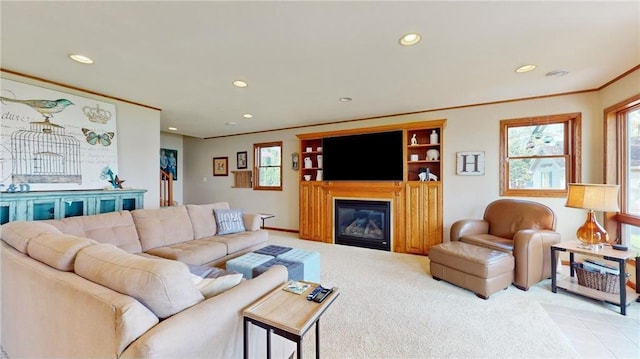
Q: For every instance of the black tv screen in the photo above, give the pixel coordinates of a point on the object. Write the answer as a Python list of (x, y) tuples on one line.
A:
[(363, 157)]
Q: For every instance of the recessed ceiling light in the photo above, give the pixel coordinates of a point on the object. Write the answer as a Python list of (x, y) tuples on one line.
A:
[(410, 39), (173, 129), (230, 123), (556, 73), (81, 59), (247, 115), (525, 68), (345, 99), (239, 83)]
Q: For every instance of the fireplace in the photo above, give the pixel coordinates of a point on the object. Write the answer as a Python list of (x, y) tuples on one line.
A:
[(363, 223)]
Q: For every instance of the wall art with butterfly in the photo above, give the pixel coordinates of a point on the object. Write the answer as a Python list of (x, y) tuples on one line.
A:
[(53, 140)]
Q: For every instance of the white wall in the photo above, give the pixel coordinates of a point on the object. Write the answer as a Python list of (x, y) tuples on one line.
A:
[(139, 131), (467, 129), (174, 142)]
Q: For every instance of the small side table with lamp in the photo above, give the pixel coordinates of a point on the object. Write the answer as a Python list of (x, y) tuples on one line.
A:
[(593, 240)]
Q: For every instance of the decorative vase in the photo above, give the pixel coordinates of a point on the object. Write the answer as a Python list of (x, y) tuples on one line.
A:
[(319, 161), (307, 162), (433, 138), (319, 175), (433, 155)]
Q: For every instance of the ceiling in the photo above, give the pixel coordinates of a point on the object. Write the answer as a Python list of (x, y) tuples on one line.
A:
[(300, 58)]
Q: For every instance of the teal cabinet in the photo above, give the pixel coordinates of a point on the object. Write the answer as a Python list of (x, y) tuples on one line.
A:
[(41, 205)]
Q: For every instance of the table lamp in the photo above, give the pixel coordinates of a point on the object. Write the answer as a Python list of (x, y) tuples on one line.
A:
[(593, 197)]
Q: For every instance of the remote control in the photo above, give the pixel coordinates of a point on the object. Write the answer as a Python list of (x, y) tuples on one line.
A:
[(322, 295), (315, 292), (619, 247)]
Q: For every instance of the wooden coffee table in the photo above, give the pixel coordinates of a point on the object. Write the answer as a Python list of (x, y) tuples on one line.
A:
[(288, 315)]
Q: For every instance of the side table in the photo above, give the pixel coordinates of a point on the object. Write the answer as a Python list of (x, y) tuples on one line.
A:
[(264, 216), (288, 315), (623, 299)]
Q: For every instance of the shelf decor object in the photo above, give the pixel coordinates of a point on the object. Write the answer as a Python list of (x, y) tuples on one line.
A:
[(593, 197)]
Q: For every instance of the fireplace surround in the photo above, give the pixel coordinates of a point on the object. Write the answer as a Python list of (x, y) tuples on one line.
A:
[(363, 223)]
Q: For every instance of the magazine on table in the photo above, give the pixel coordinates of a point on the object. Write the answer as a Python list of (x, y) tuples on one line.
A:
[(296, 287), (601, 267)]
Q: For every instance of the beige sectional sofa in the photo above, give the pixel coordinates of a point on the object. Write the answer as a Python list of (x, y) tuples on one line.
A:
[(117, 285)]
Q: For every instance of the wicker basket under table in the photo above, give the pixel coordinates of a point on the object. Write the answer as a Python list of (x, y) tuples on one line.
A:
[(606, 282)]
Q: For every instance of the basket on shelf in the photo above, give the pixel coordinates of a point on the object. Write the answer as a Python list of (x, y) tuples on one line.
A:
[(605, 282)]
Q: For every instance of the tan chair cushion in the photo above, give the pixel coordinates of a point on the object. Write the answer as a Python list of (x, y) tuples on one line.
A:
[(116, 228), (57, 250), (508, 216), (162, 227), (489, 241), (164, 286), (18, 234), (202, 218)]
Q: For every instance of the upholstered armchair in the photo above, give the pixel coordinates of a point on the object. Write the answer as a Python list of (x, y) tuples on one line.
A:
[(526, 229)]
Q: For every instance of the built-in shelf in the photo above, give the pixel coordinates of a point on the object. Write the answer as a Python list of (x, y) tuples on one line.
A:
[(242, 179)]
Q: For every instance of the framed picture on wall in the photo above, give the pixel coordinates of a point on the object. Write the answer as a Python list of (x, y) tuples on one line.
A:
[(169, 162), (221, 166), (242, 160)]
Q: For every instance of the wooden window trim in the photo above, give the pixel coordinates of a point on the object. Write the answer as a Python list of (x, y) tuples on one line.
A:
[(573, 152), (256, 166), (614, 161)]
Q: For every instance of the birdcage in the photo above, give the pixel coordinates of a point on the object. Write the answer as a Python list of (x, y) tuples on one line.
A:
[(45, 154)]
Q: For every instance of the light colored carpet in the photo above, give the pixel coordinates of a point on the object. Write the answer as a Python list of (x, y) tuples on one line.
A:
[(390, 307)]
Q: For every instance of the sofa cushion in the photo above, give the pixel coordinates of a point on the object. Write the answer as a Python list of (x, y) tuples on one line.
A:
[(229, 221), (163, 286), (18, 234), (116, 228), (239, 241), (57, 250), (202, 218), (198, 251), (162, 227)]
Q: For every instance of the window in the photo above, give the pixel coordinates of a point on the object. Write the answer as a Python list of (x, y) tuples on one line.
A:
[(622, 166), (268, 166), (540, 155)]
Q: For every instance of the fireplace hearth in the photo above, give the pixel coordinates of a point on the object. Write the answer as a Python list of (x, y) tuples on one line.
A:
[(363, 223)]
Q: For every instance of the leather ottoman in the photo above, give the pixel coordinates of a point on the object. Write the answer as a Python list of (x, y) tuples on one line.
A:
[(481, 270)]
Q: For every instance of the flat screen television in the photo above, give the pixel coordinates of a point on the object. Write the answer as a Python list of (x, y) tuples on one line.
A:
[(363, 157)]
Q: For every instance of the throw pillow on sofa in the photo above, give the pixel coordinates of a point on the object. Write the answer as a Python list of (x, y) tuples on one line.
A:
[(164, 286), (229, 221), (212, 281)]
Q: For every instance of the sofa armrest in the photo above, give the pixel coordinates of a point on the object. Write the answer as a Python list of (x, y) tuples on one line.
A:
[(251, 221), (465, 227), (532, 253), (210, 329)]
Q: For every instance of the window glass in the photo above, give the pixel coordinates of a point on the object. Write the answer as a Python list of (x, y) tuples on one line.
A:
[(632, 188), (539, 155), (268, 164)]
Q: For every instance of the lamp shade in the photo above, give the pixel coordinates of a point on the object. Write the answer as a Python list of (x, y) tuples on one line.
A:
[(595, 197)]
